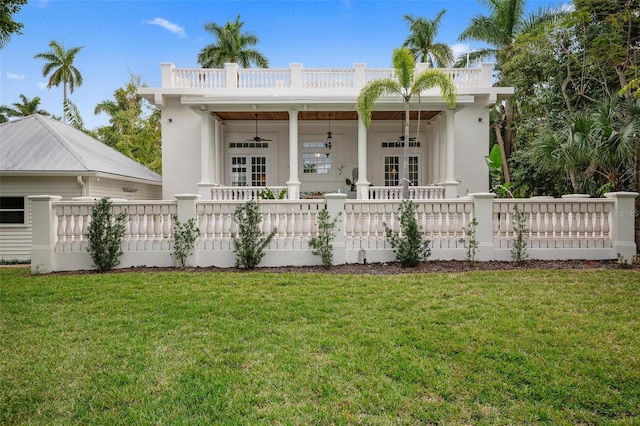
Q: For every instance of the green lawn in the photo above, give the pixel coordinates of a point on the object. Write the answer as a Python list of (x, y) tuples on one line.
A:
[(556, 347)]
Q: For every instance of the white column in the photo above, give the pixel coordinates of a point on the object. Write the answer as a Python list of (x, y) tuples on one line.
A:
[(218, 163), (434, 153), (293, 191), (622, 220), (450, 184), (483, 214), (187, 209), (362, 185), (43, 233), (335, 207), (442, 148), (205, 184)]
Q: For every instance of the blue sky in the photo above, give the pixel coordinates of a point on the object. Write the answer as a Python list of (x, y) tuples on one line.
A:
[(121, 38)]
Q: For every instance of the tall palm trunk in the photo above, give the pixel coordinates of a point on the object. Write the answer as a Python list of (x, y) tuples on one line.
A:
[(405, 155)]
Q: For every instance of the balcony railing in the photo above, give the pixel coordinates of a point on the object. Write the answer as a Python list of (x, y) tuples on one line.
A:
[(295, 77)]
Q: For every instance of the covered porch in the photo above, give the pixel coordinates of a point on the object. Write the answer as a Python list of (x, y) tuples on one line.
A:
[(305, 154)]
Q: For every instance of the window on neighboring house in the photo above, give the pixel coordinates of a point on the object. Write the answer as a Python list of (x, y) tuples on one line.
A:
[(12, 210), (248, 171), (393, 172), (316, 158)]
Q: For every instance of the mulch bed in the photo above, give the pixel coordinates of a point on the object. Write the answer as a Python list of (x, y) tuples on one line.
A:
[(433, 266)]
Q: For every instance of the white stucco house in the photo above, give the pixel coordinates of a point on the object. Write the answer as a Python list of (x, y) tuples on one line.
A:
[(39, 155), (229, 133), (236, 127)]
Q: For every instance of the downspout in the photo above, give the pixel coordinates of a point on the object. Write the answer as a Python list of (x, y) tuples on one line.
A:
[(82, 185)]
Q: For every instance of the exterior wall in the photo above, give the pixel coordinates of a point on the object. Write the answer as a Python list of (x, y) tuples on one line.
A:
[(471, 148), (15, 240), (180, 150)]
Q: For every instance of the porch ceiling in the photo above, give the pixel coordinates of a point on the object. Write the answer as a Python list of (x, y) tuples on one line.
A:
[(321, 115)]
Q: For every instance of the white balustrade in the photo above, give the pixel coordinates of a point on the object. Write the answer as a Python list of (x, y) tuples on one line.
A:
[(328, 78), (429, 192), (234, 193), (295, 222), (316, 78), (148, 225), (260, 78), (199, 78), (441, 221), (557, 223)]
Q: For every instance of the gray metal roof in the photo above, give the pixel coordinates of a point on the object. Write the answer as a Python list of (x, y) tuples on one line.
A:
[(40, 144)]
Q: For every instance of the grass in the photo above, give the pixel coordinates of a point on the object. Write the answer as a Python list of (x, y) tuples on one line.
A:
[(532, 347)]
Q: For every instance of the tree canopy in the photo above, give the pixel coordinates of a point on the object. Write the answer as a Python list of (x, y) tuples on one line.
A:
[(232, 46)]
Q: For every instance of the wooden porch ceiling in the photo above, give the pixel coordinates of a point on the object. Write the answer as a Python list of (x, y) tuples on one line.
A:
[(323, 115)]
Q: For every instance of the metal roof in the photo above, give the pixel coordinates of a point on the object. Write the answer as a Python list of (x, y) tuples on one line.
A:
[(40, 144)]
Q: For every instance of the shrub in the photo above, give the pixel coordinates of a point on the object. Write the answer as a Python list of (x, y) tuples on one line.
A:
[(409, 244), (105, 236), (184, 239), (519, 249), (249, 244), (269, 194), (322, 245), (469, 241)]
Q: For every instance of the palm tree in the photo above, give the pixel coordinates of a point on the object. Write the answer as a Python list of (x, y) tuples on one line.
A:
[(406, 84), (60, 66), (500, 29), (232, 46), (27, 107), (421, 41)]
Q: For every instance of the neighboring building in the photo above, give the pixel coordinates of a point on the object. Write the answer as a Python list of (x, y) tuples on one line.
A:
[(41, 156), (237, 127)]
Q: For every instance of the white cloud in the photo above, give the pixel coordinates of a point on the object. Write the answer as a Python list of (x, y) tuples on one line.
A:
[(566, 7), (174, 28), (459, 49), (42, 86), (15, 76)]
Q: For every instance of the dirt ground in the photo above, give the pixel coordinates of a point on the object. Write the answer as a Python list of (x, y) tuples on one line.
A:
[(437, 266)]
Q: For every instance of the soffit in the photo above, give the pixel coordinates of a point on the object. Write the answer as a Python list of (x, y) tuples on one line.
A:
[(321, 115)]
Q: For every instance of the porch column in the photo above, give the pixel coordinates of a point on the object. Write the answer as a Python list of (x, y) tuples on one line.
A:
[(450, 184), (435, 153), (293, 185), (362, 185), (442, 151), (205, 184), (218, 175)]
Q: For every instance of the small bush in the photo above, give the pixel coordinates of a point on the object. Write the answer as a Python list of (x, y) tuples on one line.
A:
[(322, 245), (250, 243), (269, 194), (105, 236), (184, 239), (409, 244), (469, 241), (519, 249)]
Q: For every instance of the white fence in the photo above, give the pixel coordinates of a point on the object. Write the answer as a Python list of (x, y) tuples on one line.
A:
[(567, 228)]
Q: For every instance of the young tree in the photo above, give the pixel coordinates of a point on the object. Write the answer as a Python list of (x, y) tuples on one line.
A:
[(8, 26), (406, 85), (421, 41), (60, 65), (134, 126), (232, 46)]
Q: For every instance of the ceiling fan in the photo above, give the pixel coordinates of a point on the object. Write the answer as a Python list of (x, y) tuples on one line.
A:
[(258, 138), (401, 138)]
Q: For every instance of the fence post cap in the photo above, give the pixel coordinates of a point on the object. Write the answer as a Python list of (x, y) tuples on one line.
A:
[(44, 197), (621, 194), (187, 196)]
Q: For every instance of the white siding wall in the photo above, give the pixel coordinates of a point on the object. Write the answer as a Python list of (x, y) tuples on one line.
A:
[(15, 240), (112, 188)]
